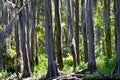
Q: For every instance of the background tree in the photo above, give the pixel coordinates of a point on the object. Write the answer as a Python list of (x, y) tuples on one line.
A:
[(106, 15), (22, 17), (58, 35)]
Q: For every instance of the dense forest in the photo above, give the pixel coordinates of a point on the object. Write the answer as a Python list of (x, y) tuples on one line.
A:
[(59, 39)]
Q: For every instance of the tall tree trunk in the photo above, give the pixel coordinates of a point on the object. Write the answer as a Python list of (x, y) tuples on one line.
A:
[(90, 28), (83, 22), (107, 27), (116, 70), (26, 64), (33, 4), (52, 68), (18, 54), (28, 31), (58, 35), (70, 33), (77, 30)]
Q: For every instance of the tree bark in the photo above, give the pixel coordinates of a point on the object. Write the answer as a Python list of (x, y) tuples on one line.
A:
[(77, 30), (84, 30), (90, 28), (58, 35), (116, 70), (52, 68), (26, 64)]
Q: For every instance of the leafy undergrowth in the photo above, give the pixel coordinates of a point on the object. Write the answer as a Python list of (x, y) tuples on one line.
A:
[(105, 66)]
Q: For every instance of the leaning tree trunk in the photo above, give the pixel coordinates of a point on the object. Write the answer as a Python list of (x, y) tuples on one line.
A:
[(26, 65), (116, 70), (58, 35), (52, 68), (91, 57)]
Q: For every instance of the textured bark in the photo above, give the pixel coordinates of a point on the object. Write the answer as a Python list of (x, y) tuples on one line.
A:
[(84, 30), (116, 71), (107, 27), (90, 28), (58, 35), (26, 65), (52, 68)]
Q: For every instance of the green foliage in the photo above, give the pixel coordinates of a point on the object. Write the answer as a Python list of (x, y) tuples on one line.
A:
[(4, 75), (41, 69), (105, 65)]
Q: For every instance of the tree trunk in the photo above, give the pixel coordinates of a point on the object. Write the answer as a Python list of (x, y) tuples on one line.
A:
[(91, 57), (26, 65), (28, 32), (77, 30), (33, 4), (52, 68), (107, 27), (116, 70), (18, 54), (58, 35), (70, 33), (84, 30)]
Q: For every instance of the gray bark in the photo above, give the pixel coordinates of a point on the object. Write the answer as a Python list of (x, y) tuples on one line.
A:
[(90, 28), (116, 71), (52, 68)]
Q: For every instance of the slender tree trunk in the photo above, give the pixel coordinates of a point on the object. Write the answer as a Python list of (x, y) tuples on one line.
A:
[(83, 22), (18, 54), (33, 4), (107, 27), (90, 28), (28, 31), (77, 30), (70, 33), (26, 65), (58, 35)]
